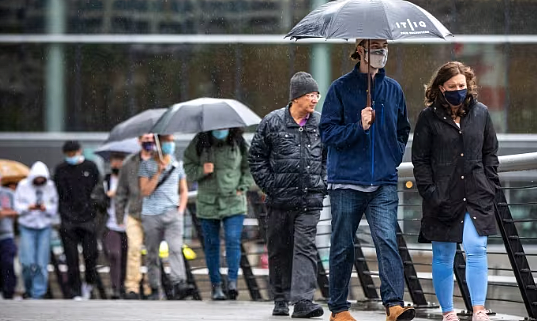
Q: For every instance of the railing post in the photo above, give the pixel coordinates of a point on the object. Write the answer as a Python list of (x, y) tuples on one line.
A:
[(249, 276), (364, 275), (516, 254), (411, 277), (322, 278), (60, 277), (196, 295)]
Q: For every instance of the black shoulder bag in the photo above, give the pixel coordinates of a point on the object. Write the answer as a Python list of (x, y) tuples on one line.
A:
[(165, 177)]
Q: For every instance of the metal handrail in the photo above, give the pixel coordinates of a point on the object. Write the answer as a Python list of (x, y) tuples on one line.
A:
[(508, 163)]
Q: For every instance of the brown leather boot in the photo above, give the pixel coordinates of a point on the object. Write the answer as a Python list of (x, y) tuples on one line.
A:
[(342, 316), (398, 313)]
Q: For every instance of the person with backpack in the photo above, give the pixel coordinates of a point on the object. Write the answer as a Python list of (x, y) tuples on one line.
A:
[(218, 162)]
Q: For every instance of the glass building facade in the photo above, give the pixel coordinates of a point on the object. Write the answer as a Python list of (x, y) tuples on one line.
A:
[(93, 86)]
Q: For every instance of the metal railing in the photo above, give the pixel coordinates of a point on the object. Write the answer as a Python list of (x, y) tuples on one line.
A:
[(512, 288)]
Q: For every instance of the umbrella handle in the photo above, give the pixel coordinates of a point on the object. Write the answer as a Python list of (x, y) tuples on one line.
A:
[(159, 150)]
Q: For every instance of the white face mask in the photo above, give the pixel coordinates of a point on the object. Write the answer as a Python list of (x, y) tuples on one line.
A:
[(379, 57)]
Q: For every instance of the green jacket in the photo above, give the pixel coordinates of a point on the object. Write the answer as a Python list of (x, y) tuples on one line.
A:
[(217, 193)]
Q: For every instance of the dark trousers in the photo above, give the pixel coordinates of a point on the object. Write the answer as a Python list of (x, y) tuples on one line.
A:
[(115, 248), (8, 279), (292, 253), (73, 234)]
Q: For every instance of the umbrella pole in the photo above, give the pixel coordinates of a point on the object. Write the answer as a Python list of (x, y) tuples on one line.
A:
[(369, 104), (369, 73)]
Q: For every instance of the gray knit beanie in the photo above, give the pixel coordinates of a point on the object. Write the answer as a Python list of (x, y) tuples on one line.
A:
[(302, 83)]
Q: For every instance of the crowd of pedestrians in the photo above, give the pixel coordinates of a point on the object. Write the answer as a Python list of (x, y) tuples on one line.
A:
[(349, 152)]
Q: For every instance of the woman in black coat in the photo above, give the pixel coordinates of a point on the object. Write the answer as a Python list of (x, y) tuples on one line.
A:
[(454, 152)]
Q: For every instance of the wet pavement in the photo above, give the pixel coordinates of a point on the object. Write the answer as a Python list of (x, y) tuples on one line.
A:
[(106, 310)]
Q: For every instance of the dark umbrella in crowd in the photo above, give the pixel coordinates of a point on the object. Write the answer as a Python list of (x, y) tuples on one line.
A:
[(135, 126), (205, 114), (126, 147), (369, 19)]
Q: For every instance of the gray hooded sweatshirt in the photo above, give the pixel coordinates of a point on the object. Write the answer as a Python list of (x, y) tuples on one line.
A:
[(28, 194)]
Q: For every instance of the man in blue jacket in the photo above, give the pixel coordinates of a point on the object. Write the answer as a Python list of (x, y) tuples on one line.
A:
[(365, 146)]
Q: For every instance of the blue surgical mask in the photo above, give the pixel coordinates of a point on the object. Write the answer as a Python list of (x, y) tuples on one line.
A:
[(455, 97), (220, 134), (72, 160), (168, 148)]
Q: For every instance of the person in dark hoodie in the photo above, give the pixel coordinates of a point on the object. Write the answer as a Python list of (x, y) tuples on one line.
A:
[(114, 238), (75, 179), (365, 146)]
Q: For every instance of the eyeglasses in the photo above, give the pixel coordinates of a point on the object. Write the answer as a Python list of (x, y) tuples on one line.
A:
[(313, 96)]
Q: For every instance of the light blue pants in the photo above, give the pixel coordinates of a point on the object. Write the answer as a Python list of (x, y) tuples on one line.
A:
[(475, 247), (34, 257)]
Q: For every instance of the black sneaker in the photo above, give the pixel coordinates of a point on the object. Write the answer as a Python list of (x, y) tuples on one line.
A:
[(132, 296), (181, 290), (307, 309), (154, 296), (280, 308)]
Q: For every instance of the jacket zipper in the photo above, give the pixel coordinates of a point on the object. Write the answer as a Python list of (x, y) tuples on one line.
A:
[(301, 130)]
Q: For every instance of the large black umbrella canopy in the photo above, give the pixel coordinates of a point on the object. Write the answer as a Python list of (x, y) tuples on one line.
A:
[(136, 126), (369, 19), (205, 114)]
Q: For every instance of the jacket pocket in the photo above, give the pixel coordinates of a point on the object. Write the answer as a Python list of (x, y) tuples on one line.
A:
[(235, 204), (206, 198)]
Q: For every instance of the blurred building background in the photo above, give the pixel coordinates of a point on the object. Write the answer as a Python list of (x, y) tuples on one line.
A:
[(47, 86)]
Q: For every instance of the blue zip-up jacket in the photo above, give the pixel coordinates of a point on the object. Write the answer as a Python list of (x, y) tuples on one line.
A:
[(361, 157)]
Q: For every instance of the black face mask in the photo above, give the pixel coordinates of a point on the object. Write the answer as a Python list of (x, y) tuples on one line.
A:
[(39, 183), (115, 171)]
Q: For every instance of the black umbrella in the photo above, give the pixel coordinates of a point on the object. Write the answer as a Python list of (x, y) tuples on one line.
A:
[(125, 147), (369, 19), (136, 125), (205, 114)]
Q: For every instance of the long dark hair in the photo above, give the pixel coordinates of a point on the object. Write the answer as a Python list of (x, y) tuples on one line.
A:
[(446, 72), (207, 141)]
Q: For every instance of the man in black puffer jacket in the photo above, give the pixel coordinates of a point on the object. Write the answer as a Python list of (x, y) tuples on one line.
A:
[(288, 163)]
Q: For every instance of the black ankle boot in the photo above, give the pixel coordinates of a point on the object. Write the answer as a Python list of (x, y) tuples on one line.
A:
[(232, 291), (217, 292)]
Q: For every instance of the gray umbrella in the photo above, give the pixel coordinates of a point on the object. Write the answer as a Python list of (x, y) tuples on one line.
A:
[(205, 114), (127, 146), (135, 126), (369, 19)]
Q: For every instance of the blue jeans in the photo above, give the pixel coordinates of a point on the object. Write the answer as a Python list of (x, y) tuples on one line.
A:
[(8, 279), (380, 209), (34, 256), (475, 247), (211, 238)]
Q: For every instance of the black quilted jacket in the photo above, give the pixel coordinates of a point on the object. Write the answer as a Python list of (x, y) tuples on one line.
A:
[(288, 161)]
